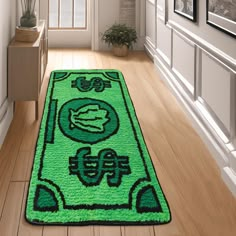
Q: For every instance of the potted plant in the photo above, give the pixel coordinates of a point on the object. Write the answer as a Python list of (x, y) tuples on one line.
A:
[(121, 37), (28, 18)]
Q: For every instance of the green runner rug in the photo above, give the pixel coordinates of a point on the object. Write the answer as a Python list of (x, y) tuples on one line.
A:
[(91, 163)]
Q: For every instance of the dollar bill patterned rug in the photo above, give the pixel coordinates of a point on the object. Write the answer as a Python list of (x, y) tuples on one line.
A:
[(91, 163)]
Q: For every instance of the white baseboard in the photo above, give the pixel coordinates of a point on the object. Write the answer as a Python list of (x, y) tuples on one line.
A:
[(149, 47), (230, 179), (5, 121)]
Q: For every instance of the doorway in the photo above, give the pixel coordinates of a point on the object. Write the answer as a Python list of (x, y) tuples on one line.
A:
[(70, 23)]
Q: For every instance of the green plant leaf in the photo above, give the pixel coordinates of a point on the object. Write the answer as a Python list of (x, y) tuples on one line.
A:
[(120, 34), (90, 118)]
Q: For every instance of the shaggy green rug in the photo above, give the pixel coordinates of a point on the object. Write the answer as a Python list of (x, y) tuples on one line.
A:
[(91, 163)]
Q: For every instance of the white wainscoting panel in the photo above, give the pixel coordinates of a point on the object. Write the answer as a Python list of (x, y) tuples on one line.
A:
[(229, 178), (203, 79), (164, 41), (183, 60), (233, 107), (232, 161), (161, 10), (215, 84), (150, 22)]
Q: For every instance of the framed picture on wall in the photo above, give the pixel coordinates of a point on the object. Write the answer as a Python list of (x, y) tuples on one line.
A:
[(222, 15), (186, 8)]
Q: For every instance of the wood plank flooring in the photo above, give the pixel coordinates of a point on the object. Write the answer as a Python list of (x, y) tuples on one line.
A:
[(200, 202)]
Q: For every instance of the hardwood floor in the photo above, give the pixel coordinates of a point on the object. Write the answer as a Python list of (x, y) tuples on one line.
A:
[(200, 203)]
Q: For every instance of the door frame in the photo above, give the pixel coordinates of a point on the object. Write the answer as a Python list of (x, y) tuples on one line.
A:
[(94, 24), (93, 21)]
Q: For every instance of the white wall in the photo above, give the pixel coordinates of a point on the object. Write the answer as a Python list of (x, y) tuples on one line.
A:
[(108, 13), (43, 9), (198, 62), (206, 32), (7, 30)]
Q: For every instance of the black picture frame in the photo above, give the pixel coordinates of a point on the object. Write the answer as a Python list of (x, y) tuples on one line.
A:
[(186, 8), (222, 15)]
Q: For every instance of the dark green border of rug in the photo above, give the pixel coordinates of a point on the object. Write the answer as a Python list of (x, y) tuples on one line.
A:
[(95, 222)]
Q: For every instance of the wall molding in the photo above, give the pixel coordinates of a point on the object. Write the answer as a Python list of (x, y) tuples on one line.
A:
[(190, 66), (221, 56), (184, 81), (161, 10), (222, 153), (232, 79), (3, 109), (192, 111), (6, 116), (140, 16), (164, 57), (230, 179), (150, 47), (94, 25), (221, 144), (151, 2), (233, 108)]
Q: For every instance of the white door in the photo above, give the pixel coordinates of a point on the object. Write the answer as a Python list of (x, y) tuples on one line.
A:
[(69, 23)]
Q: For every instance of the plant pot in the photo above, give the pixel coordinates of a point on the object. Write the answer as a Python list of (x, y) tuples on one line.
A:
[(28, 20), (120, 50)]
